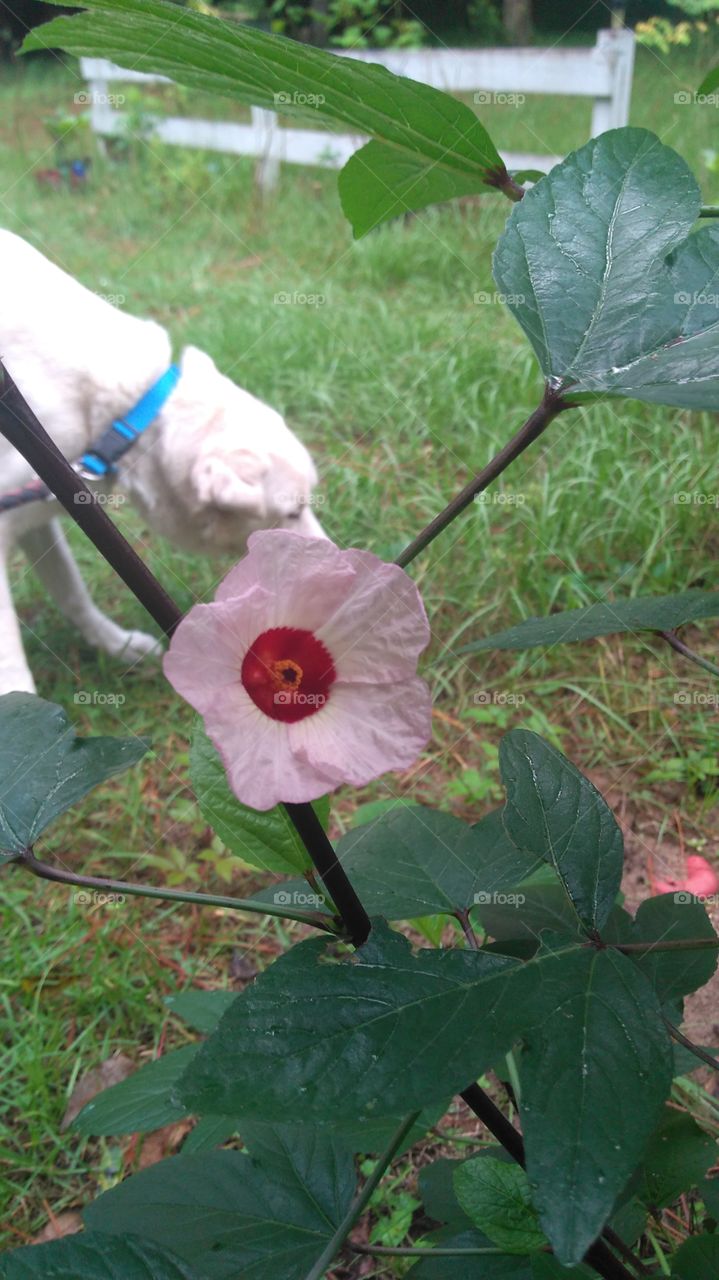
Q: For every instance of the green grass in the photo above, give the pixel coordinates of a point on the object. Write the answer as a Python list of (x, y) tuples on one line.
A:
[(402, 385)]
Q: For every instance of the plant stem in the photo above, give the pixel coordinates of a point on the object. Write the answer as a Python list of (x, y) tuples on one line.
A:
[(19, 425), (385, 1251), (105, 885), (552, 404), (709, 211), (673, 944), (661, 1258), (673, 639), (696, 1049), (360, 1202)]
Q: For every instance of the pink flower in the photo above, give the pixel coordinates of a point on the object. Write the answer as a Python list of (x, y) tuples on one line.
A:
[(701, 879), (304, 669)]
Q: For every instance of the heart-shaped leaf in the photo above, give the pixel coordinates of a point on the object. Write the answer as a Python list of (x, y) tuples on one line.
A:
[(428, 146), (555, 813), (228, 1214), (45, 768), (601, 271), (605, 618), (496, 1197)]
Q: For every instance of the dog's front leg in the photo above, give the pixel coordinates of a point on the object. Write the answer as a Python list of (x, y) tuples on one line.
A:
[(52, 560), (14, 671)]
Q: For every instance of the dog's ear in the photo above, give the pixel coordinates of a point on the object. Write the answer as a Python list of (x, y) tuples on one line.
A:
[(232, 483)]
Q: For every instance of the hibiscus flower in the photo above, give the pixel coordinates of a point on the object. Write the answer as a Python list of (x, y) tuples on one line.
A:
[(304, 669)]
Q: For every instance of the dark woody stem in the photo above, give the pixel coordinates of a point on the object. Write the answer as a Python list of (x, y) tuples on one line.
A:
[(680, 647)]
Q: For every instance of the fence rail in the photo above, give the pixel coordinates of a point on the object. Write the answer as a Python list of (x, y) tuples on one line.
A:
[(602, 72)]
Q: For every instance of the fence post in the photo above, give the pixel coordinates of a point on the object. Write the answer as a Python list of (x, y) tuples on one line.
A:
[(267, 169), (617, 46)]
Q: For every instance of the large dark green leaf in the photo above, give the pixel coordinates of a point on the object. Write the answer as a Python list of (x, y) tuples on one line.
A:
[(674, 974), (415, 861), (613, 292), (595, 1074), (697, 1259), (644, 613), (94, 1256), (142, 1102), (267, 840), (526, 911), (201, 1010), (261, 1216), (545, 1267), (496, 1197), (555, 813), (387, 1034), (430, 146), (45, 768)]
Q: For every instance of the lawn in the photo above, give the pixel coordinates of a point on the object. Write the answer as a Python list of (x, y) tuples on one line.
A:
[(403, 379)]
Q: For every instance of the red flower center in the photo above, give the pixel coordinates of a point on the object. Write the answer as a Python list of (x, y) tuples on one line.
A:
[(288, 673)]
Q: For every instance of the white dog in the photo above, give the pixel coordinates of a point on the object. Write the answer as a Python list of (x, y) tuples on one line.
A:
[(214, 465)]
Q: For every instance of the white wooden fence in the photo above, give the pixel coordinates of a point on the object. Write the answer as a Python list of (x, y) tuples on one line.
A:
[(503, 76)]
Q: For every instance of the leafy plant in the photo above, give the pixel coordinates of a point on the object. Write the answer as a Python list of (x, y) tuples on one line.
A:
[(355, 1040)]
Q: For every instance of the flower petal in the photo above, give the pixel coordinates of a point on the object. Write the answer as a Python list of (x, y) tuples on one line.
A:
[(205, 653)]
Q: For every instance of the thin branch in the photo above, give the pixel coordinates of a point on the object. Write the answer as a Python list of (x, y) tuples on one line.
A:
[(385, 1251), (103, 884), (360, 1202), (709, 211), (672, 944), (552, 404), (680, 647), (462, 915), (696, 1049)]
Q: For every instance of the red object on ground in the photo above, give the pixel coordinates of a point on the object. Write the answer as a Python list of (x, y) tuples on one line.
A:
[(701, 879)]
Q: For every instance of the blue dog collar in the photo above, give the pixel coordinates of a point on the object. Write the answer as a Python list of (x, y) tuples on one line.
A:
[(102, 458)]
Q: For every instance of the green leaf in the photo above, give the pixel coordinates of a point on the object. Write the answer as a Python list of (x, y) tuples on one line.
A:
[(94, 1256), (209, 1132), (595, 1073), (545, 1267), (674, 974), (496, 1197), (267, 840), (45, 768), (436, 1187), (428, 146), (142, 1102), (710, 81), (676, 1159), (643, 613), (201, 1010), (468, 1268), (415, 861), (697, 1259), (333, 1037), (601, 272), (262, 1215), (555, 813), (526, 911)]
